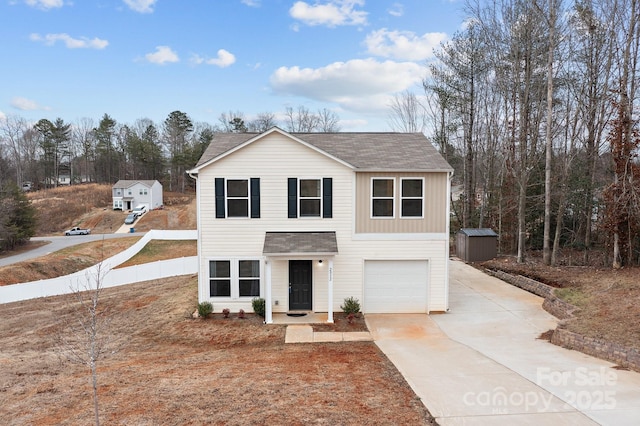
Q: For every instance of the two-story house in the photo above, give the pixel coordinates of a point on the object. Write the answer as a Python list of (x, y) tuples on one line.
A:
[(128, 194), (306, 220)]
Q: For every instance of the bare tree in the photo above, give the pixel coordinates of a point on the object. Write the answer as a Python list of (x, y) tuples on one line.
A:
[(328, 121), (263, 122), (87, 339), (407, 113), (12, 129), (301, 120)]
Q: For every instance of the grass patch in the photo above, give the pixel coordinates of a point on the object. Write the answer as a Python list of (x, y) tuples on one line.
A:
[(162, 250), (572, 295)]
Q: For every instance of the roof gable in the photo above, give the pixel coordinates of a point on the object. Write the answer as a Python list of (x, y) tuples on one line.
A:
[(360, 151), (123, 183)]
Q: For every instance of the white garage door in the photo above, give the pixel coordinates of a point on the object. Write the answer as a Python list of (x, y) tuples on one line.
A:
[(395, 286)]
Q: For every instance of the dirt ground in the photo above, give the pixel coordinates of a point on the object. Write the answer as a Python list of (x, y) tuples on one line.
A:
[(171, 369), (609, 300)]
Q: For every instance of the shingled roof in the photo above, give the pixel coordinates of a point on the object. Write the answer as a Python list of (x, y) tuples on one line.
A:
[(362, 151)]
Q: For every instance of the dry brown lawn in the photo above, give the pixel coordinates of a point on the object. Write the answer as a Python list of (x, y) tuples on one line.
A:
[(156, 250), (64, 262), (171, 369), (90, 206)]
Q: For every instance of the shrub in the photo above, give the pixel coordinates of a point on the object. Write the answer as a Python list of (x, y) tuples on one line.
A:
[(226, 312), (204, 309), (241, 314), (351, 306), (259, 306)]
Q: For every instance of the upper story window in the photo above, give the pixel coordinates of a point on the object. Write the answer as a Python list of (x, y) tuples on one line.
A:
[(237, 198), (310, 197), (412, 198), (143, 191), (382, 197)]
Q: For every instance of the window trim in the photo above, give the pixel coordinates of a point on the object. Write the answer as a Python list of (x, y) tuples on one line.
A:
[(300, 198), (227, 197), (402, 198), (392, 198), (326, 197), (222, 197), (234, 272)]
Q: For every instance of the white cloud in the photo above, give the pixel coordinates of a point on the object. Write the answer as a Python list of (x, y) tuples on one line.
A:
[(3, 116), (396, 9), (357, 85), (251, 3), (223, 60), (404, 45), (25, 104), (45, 4), (162, 55), (331, 13), (70, 42), (142, 6)]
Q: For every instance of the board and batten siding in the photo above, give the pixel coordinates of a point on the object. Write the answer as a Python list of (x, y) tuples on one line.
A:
[(435, 205)]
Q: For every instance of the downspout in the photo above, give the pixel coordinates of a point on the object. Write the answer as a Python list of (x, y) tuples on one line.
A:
[(201, 295)]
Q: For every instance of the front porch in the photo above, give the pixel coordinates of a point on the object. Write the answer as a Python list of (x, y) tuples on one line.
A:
[(307, 256)]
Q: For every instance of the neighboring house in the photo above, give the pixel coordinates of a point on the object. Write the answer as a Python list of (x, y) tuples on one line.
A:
[(307, 220), (127, 194)]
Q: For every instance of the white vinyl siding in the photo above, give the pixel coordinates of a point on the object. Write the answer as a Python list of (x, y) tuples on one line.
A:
[(274, 159)]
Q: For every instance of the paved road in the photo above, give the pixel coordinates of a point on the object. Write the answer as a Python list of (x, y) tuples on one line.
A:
[(482, 363), (59, 243)]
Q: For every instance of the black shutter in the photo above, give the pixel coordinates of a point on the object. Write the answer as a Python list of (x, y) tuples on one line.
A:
[(293, 197), (255, 198), (327, 198), (220, 210)]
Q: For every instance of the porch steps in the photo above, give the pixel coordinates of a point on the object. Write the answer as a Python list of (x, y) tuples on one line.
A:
[(305, 334)]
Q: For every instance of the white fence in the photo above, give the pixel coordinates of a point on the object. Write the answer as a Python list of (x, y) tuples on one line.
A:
[(110, 277)]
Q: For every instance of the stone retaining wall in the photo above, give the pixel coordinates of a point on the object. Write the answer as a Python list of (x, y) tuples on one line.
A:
[(621, 355)]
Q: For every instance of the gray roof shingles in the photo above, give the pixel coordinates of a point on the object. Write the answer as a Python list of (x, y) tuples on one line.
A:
[(291, 243), (363, 151)]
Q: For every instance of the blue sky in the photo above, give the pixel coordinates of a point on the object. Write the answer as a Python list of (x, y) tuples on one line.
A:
[(138, 59)]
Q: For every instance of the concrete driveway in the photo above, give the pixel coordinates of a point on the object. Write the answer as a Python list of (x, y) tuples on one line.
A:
[(482, 364)]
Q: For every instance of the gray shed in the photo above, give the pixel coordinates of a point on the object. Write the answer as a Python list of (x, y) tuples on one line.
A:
[(476, 245)]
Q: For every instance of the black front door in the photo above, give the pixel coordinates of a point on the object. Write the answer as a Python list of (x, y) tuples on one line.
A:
[(299, 285)]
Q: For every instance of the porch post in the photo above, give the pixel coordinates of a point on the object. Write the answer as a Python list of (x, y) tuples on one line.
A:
[(330, 287), (268, 315)]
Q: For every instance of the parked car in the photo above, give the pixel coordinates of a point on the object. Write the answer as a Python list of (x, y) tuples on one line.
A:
[(140, 210), (131, 217), (77, 231)]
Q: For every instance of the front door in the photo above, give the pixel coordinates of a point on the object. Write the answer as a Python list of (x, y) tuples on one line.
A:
[(299, 285)]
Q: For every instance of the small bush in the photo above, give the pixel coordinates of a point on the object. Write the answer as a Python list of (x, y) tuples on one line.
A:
[(226, 312), (351, 306), (204, 309), (259, 306), (241, 314)]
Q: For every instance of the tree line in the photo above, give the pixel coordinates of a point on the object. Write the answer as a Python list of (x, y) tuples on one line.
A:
[(52, 153), (534, 104)]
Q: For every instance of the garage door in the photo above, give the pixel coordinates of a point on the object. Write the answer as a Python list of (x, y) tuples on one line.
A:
[(392, 286)]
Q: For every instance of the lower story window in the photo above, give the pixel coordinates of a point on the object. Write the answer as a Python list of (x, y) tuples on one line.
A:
[(220, 278), (234, 278)]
